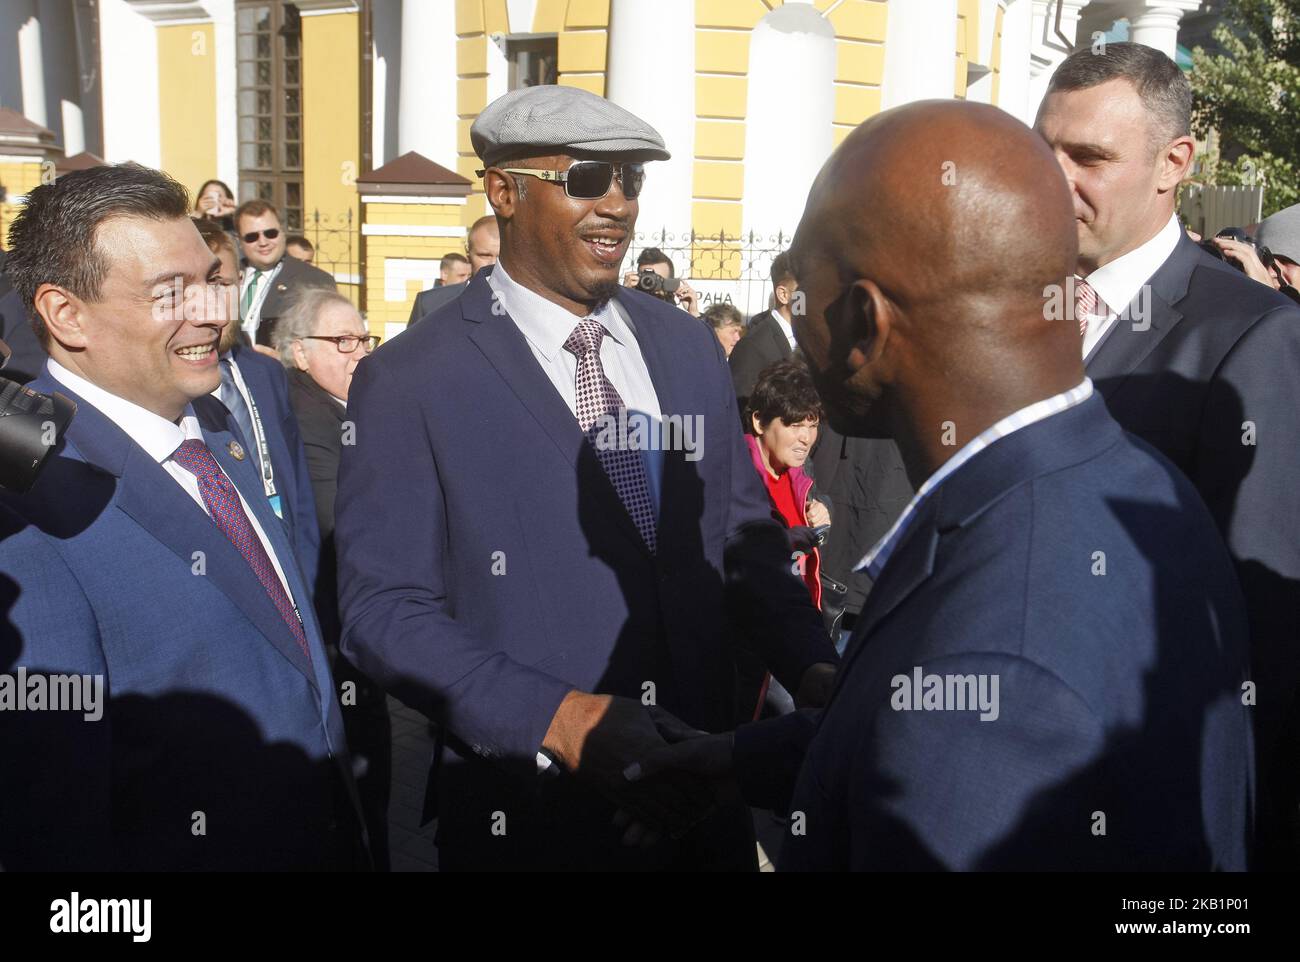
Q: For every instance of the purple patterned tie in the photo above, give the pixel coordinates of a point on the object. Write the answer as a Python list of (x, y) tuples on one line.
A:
[(223, 504), (597, 402)]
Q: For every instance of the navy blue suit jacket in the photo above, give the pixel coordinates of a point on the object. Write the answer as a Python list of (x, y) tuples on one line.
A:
[(487, 567), (1211, 385), (108, 567), (1119, 694), (269, 386)]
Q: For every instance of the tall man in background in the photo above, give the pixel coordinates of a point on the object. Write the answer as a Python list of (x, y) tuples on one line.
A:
[(1193, 357), (271, 277)]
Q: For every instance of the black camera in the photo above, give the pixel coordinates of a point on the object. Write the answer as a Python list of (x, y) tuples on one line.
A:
[(652, 282), (31, 424), (1236, 233)]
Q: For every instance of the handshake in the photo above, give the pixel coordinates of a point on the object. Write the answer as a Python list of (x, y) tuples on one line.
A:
[(665, 776)]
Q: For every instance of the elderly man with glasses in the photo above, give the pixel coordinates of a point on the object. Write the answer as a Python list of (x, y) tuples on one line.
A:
[(320, 340)]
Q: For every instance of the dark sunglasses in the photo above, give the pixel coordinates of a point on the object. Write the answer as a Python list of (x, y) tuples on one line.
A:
[(271, 234), (589, 179)]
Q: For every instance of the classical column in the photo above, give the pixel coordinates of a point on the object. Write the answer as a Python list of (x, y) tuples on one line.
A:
[(426, 120), (1156, 23), (920, 51), (1013, 82), (31, 64), (651, 72), (1054, 26)]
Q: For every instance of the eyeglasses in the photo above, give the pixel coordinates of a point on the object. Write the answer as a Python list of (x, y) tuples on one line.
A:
[(347, 343), (271, 234), (589, 179)]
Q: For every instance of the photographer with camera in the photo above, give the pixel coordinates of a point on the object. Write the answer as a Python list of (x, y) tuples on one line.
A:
[(1281, 234), (655, 275)]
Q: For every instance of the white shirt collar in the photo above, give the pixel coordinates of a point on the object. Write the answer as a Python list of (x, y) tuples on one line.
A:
[(1118, 282), (159, 437), (874, 561), (547, 325), (785, 325)]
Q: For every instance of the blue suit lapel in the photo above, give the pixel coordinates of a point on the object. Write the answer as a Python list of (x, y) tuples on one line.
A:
[(678, 513), (150, 496), (1124, 348), (506, 349)]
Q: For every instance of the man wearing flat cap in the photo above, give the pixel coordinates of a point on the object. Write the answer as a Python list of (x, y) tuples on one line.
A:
[(549, 532)]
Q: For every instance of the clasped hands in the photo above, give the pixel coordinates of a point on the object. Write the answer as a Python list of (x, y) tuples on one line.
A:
[(665, 776)]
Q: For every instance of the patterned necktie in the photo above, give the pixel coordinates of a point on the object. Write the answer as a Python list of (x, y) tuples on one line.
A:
[(249, 294), (1085, 303), (598, 401), (234, 402), (222, 499)]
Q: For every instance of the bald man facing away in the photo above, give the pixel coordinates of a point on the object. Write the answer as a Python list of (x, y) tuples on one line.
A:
[(1047, 674)]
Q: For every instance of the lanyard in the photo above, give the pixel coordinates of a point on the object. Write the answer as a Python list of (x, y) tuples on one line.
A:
[(263, 450)]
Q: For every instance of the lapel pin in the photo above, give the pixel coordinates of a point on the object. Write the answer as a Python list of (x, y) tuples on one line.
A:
[(236, 450)]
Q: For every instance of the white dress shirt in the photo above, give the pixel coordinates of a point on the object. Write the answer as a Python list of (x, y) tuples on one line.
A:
[(160, 438), (875, 560), (546, 326), (1118, 283), (786, 328)]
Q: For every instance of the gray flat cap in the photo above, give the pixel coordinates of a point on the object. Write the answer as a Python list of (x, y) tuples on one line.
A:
[(534, 121), (1281, 233)]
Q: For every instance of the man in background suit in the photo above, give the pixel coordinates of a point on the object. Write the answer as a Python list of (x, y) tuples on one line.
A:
[(769, 337), (146, 555), (271, 277), (253, 388), (532, 584), (482, 244), (1047, 673), (1196, 359)]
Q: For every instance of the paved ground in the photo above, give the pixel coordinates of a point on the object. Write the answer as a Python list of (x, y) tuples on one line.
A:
[(411, 848)]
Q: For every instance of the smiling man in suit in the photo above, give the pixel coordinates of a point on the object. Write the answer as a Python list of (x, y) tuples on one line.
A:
[(146, 556), (1047, 673), (1196, 359), (513, 564), (271, 277)]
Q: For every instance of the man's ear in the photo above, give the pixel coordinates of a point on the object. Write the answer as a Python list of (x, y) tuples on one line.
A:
[(1175, 162), (782, 293), (63, 314), (501, 192), (299, 356), (870, 324)]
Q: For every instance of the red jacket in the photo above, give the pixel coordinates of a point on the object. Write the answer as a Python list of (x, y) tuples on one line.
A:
[(809, 565)]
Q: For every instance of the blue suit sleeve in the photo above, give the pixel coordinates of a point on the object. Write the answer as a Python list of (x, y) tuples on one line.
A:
[(56, 775), (399, 626)]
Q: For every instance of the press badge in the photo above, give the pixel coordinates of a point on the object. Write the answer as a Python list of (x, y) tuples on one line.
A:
[(275, 506)]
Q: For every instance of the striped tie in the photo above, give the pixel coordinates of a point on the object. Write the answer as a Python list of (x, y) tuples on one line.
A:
[(1085, 304)]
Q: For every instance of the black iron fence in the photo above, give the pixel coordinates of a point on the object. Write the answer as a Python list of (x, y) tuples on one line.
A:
[(337, 239), (722, 267)]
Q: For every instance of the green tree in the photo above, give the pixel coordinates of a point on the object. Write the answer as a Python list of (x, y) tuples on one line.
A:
[(1249, 94)]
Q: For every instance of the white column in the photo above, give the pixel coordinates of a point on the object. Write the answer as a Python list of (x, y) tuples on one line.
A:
[(1013, 85), (1156, 24), (426, 120), (656, 81), (920, 51), (1052, 38), (128, 58), (74, 129), (789, 113), (31, 63)]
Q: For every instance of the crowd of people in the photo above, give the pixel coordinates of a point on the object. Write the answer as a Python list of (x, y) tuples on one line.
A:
[(978, 549)]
